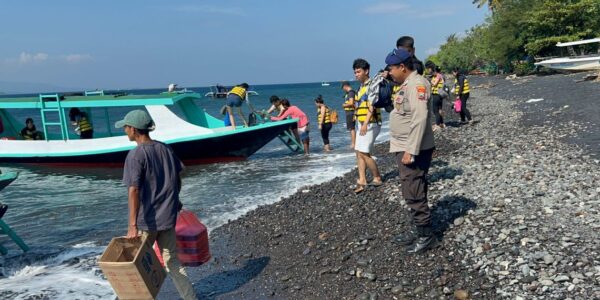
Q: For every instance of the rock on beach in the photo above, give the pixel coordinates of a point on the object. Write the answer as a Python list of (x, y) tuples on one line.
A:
[(514, 204)]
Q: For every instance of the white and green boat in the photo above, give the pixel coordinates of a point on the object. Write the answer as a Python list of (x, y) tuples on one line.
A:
[(194, 135)]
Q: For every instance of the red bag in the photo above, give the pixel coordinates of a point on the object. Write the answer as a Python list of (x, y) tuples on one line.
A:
[(457, 105), (192, 240)]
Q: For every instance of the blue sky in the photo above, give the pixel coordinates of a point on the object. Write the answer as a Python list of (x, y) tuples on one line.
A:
[(136, 44)]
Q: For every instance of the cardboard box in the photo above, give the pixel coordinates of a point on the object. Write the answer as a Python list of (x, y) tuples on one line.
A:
[(132, 268)]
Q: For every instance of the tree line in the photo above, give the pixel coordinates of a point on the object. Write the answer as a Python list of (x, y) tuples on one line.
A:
[(516, 32)]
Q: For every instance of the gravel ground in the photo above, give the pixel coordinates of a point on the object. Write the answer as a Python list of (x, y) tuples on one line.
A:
[(514, 205)]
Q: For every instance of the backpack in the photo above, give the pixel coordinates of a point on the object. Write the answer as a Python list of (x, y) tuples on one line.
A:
[(333, 116), (380, 92), (442, 92)]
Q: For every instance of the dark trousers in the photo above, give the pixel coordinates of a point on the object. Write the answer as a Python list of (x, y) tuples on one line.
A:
[(86, 134), (413, 178), (464, 112), (325, 128), (437, 102)]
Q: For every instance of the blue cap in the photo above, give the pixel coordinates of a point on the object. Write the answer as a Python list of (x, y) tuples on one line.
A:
[(397, 56)]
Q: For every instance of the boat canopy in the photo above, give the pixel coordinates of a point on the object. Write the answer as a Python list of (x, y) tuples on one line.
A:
[(582, 42), (99, 100)]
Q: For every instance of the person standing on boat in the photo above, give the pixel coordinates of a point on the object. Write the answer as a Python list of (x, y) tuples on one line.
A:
[(324, 119), (368, 125), (235, 97), (411, 140), (349, 107), (462, 91), (80, 120), (153, 180), (29, 132), (301, 129)]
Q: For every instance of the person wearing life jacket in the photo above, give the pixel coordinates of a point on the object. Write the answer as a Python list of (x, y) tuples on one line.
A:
[(29, 132), (300, 131), (80, 120), (437, 84), (408, 43), (235, 98), (349, 107), (462, 90), (324, 121), (368, 125)]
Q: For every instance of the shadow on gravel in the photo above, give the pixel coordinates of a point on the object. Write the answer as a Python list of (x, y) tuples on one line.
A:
[(448, 209), (228, 281), (444, 173)]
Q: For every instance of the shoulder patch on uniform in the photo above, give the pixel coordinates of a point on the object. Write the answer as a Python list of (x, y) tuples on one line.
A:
[(421, 92)]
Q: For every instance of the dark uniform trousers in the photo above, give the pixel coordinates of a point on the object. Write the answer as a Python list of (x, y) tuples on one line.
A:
[(413, 178)]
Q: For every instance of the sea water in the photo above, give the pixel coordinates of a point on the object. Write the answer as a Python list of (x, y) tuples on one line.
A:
[(68, 215)]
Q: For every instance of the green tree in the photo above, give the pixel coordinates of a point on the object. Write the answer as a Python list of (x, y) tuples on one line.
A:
[(560, 21), (493, 5)]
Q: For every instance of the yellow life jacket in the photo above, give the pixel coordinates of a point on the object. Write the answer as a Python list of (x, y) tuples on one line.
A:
[(347, 102), (437, 87), (465, 86), (240, 91), (360, 114), (84, 124), (327, 116)]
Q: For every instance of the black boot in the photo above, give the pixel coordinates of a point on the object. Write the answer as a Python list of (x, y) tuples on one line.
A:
[(408, 237), (424, 242)]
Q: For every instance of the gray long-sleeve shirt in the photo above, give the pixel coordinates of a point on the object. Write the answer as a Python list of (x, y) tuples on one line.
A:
[(410, 124)]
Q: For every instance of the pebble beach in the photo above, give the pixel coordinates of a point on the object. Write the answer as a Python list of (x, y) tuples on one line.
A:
[(515, 201)]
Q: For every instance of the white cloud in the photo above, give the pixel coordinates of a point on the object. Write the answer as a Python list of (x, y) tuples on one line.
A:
[(432, 51), (25, 58), (76, 58), (439, 12), (386, 8), (210, 9)]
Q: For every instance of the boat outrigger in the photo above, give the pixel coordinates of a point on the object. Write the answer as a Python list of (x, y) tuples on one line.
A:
[(194, 135), (582, 62)]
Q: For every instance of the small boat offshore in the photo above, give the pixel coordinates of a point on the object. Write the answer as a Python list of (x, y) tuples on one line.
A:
[(194, 135)]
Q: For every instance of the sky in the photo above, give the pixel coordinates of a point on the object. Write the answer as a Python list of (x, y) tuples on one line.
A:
[(126, 44)]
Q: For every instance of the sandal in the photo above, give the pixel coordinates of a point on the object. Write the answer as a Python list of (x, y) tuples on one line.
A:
[(376, 183), (359, 188)]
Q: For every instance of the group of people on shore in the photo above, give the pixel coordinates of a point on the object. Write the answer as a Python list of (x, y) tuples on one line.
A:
[(413, 98), (152, 171)]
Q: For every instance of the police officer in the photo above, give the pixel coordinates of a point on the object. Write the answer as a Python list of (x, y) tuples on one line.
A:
[(408, 43), (411, 139)]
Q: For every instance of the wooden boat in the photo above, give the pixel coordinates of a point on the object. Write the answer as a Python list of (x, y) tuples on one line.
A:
[(194, 135)]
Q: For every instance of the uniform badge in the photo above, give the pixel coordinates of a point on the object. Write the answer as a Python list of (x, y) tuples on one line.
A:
[(421, 91)]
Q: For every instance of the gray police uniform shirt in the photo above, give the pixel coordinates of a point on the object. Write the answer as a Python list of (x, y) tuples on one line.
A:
[(410, 124), (154, 169)]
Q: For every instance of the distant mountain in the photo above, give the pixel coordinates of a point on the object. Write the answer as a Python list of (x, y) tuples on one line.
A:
[(31, 87)]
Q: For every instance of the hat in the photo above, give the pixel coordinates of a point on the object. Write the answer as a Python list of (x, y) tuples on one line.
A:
[(397, 56), (137, 119)]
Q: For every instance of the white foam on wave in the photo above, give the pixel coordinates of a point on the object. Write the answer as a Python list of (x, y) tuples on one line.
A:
[(315, 169), (58, 277)]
